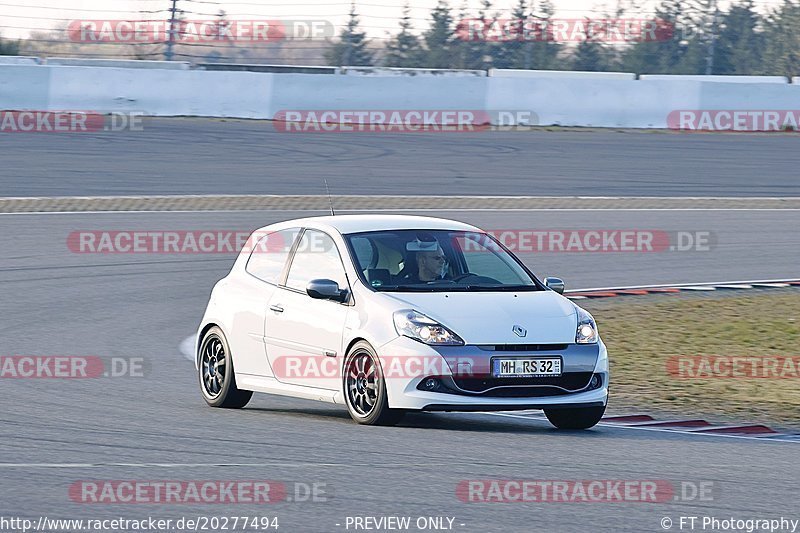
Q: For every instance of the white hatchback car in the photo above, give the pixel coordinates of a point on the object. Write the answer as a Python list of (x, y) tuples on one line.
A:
[(386, 314)]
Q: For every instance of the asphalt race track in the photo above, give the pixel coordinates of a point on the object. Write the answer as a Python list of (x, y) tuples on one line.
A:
[(55, 433), (200, 156), (743, 245)]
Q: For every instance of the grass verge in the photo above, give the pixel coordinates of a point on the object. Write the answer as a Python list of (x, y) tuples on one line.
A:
[(643, 333)]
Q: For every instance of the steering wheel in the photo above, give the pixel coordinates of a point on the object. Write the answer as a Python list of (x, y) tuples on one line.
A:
[(462, 277)]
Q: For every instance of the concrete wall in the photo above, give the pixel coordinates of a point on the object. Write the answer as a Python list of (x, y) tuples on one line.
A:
[(759, 97), (570, 74), (19, 60), (161, 92), (569, 99), (24, 87), (118, 63), (307, 92), (720, 79), (594, 102)]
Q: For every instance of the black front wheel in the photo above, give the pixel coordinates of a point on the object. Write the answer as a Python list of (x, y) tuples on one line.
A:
[(575, 418), (365, 389), (216, 374)]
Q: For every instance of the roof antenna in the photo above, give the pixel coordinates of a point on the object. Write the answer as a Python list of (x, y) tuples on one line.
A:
[(330, 200)]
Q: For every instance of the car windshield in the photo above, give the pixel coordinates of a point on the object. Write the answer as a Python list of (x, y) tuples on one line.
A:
[(437, 261)]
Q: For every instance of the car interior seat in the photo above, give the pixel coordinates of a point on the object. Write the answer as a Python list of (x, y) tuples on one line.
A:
[(378, 276), (387, 264)]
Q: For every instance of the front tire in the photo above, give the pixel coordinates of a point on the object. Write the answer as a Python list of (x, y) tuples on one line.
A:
[(575, 418), (216, 374), (365, 388)]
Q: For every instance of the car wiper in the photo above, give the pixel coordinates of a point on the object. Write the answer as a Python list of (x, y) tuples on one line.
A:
[(502, 288), (406, 288), (423, 288), (456, 288)]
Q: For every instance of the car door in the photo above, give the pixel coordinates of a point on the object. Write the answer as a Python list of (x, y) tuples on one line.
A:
[(303, 334), (252, 293)]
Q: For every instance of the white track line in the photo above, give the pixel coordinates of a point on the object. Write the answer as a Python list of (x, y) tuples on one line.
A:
[(409, 210), (691, 285), (229, 465), (335, 196)]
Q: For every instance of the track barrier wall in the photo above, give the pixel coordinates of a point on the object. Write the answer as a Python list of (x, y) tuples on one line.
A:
[(555, 98)]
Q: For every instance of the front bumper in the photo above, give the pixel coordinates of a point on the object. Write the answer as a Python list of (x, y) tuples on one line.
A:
[(509, 406), (577, 360)]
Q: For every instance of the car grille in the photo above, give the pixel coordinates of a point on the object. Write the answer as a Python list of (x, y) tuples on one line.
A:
[(524, 387), (523, 347)]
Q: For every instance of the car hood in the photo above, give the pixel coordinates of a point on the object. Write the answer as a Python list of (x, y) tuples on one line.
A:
[(488, 317)]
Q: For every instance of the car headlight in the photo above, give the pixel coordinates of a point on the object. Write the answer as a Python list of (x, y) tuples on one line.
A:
[(587, 329), (423, 328)]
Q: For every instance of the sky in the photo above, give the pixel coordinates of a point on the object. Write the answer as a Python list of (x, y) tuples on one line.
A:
[(378, 17)]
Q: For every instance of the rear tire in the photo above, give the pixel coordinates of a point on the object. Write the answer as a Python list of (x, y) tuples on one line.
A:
[(216, 374), (365, 389), (575, 418)]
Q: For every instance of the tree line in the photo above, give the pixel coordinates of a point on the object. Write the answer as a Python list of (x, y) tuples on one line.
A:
[(694, 37)]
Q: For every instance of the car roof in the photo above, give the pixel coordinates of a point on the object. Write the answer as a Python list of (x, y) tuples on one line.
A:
[(345, 224)]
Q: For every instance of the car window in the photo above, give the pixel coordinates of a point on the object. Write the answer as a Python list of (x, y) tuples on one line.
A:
[(365, 250), (269, 255), (316, 258), (484, 256), (437, 261)]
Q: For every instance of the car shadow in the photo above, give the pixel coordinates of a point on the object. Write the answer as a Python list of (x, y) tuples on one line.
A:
[(482, 423), (332, 413), (452, 422)]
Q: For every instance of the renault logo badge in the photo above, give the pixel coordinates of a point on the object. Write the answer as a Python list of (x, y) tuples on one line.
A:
[(519, 331)]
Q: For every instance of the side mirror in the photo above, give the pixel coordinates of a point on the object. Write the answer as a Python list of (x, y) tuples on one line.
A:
[(326, 289), (555, 284)]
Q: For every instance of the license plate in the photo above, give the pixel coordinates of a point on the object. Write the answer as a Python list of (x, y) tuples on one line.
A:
[(525, 367)]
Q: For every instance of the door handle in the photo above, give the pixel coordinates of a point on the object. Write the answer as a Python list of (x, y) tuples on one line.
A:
[(276, 308)]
